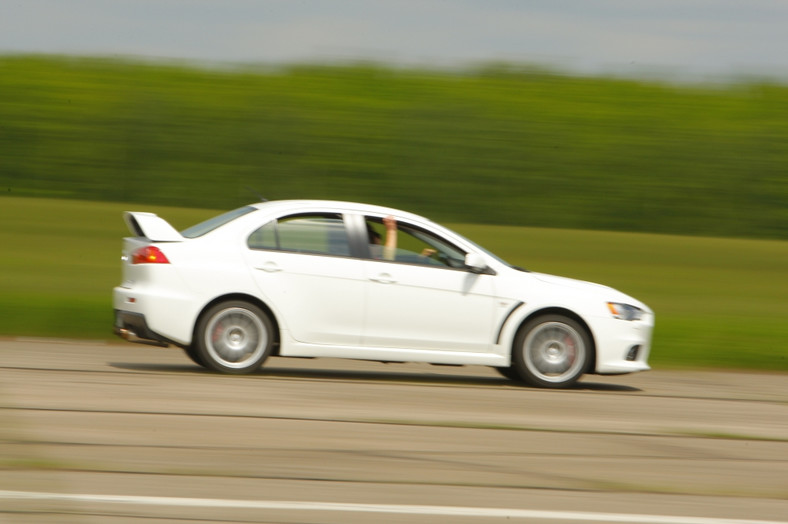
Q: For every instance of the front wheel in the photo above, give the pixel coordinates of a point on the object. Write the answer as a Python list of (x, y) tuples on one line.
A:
[(551, 351), (234, 337)]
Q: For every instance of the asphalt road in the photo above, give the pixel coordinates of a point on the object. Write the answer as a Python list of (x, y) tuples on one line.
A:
[(124, 433)]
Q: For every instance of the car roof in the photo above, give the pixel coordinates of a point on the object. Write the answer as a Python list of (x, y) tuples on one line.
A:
[(335, 205)]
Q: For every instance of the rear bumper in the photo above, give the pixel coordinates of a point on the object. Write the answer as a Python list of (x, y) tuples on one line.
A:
[(133, 327), (160, 314)]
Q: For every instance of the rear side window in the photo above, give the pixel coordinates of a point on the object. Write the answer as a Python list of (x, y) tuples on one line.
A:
[(209, 225), (264, 237), (322, 234)]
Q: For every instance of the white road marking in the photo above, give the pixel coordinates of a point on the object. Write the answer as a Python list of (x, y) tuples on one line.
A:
[(582, 516)]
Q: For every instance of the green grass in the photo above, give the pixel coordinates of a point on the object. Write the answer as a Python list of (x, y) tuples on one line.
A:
[(720, 303), (61, 260)]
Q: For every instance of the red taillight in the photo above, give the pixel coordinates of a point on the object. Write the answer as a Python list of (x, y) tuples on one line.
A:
[(149, 255)]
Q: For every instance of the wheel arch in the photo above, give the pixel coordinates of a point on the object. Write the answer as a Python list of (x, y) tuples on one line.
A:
[(245, 298), (591, 365)]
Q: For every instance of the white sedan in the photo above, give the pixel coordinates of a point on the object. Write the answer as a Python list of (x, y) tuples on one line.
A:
[(302, 278)]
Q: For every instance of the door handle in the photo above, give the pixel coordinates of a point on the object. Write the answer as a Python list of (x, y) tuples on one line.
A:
[(269, 267), (384, 278)]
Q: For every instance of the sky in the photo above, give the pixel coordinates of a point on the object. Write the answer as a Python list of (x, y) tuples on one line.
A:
[(696, 39)]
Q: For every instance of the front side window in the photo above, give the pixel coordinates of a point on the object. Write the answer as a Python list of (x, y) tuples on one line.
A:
[(322, 234), (401, 242)]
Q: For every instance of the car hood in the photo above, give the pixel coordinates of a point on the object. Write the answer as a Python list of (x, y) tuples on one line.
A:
[(605, 293)]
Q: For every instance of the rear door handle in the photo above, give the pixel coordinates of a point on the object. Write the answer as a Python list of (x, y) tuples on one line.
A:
[(269, 267), (384, 278)]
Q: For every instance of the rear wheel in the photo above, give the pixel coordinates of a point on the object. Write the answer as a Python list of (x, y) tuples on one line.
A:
[(552, 351), (234, 337), (511, 373), (191, 352)]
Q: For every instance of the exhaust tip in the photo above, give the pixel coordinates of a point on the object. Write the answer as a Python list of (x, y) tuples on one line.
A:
[(131, 336), (125, 334)]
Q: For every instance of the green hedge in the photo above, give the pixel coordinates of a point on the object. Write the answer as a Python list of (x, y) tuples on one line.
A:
[(497, 145)]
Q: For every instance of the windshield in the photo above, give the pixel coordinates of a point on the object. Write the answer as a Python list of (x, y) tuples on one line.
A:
[(209, 225)]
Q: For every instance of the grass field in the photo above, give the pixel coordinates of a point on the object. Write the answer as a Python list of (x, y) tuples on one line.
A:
[(720, 303)]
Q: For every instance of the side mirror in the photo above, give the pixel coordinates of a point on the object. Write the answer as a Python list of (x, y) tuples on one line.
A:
[(475, 263)]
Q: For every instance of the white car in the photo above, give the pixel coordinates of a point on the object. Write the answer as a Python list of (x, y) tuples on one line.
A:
[(303, 278)]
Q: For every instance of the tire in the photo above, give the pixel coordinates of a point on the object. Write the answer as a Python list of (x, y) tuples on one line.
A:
[(191, 352), (552, 351), (233, 337)]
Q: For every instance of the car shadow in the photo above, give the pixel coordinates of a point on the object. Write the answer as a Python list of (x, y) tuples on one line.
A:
[(598, 386), (429, 378), (425, 378), (160, 368)]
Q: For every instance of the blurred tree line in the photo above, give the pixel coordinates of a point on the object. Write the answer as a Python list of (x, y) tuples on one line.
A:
[(498, 144)]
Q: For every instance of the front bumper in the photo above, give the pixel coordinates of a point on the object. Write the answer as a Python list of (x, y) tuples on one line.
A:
[(623, 346)]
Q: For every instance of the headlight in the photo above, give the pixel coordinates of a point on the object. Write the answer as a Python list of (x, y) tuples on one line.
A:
[(625, 311)]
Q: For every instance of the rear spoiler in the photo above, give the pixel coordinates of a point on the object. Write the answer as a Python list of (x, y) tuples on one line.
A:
[(150, 226)]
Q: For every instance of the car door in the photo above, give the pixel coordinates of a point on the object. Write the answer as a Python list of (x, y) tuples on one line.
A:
[(303, 267), (420, 295)]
